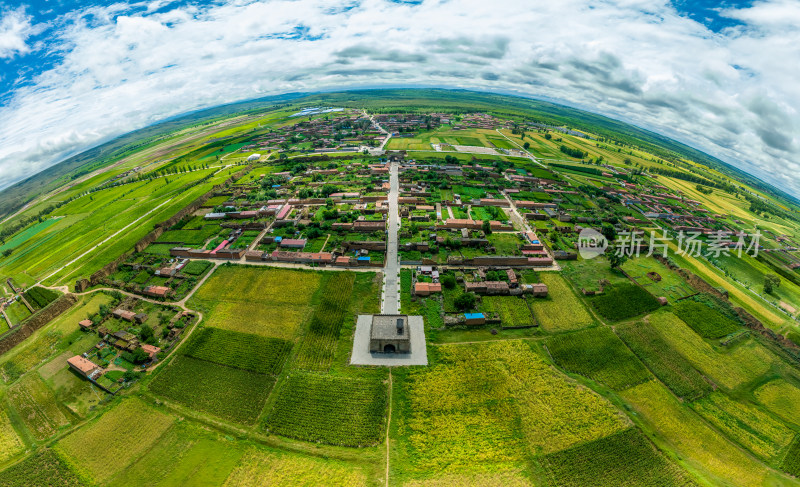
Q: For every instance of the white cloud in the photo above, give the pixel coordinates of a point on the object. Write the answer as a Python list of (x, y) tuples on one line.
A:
[(733, 93), (15, 29)]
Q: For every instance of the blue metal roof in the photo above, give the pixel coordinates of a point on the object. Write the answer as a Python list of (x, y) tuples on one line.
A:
[(278, 239), (363, 258), (473, 316)]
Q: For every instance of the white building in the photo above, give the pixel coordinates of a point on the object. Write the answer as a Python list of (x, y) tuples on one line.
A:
[(254, 157)]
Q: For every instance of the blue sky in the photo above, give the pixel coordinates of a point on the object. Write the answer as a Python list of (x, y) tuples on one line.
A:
[(721, 76)]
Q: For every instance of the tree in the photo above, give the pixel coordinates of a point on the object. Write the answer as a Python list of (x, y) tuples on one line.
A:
[(526, 145), (7, 252), (146, 334), (465, 301), (771, 281), (486, 227), (609, 232), (449, 282), (548, 136), (616, 259)]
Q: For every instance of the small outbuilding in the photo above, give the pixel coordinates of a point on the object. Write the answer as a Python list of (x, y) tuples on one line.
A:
[(85, 367), (474, 319), (390, 334)]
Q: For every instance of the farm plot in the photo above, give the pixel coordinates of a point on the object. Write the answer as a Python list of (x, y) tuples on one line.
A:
[(791, 462), (185, 455), (10, 443), (668, 283), (781, 397), (665, 362), (621, 459), (36, 405), (746, 362), (117, 439), (42, 468), (746, 424), (705, 317), (328, 409), (487, 407), (234, 394), (513, 310), (39, 297), (586, 274), (239, 350), (599, 354), (702, 447), (319, 343), (17, 312), (561, 310), (282, 469), (624, 301), (258, 300)]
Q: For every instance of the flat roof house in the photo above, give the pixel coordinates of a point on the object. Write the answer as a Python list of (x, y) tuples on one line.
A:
[(389, 334)]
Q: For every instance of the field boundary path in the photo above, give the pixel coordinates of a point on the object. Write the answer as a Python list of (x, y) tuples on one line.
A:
[(388, 425)]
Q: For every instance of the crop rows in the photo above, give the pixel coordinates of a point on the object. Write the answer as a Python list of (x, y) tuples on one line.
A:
[(10, 443), (37, 407), (496, 401), (239, 350), (624, 301), (512, 310), (318, 345), (626, 458), (599, 354), (235, 394), (665, 362), (705, 318), (561, 310), (42, 468), (750, 426), (39, 297), (791, 461), (328, 409), (118, 438), (295, 470)]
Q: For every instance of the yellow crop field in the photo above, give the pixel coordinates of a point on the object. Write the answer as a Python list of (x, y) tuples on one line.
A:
[(780, 397), (37, 406), (118, 438), (259, 468), (748, 425), (263, 301), (487, 407), (10, 443), (561, 310), (697, 443), (744, 363), (499, 479)]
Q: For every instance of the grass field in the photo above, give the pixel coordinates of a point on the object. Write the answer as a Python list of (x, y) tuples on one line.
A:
[(626, 458), (700, 446), (36, 405), (791, 462), (599, 354), (486, 407), (561, 310), (328, 409), (746, 362), (117, 439), (585, 274), (781, 397), (43, 468), (258, 300), (664, 362), (746, 424), (234, 394)]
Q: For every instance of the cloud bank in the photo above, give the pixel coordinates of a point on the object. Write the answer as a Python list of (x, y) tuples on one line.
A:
[(731, 91)]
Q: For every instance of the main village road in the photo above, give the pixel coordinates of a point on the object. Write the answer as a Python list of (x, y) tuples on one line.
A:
[(391, 270)]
